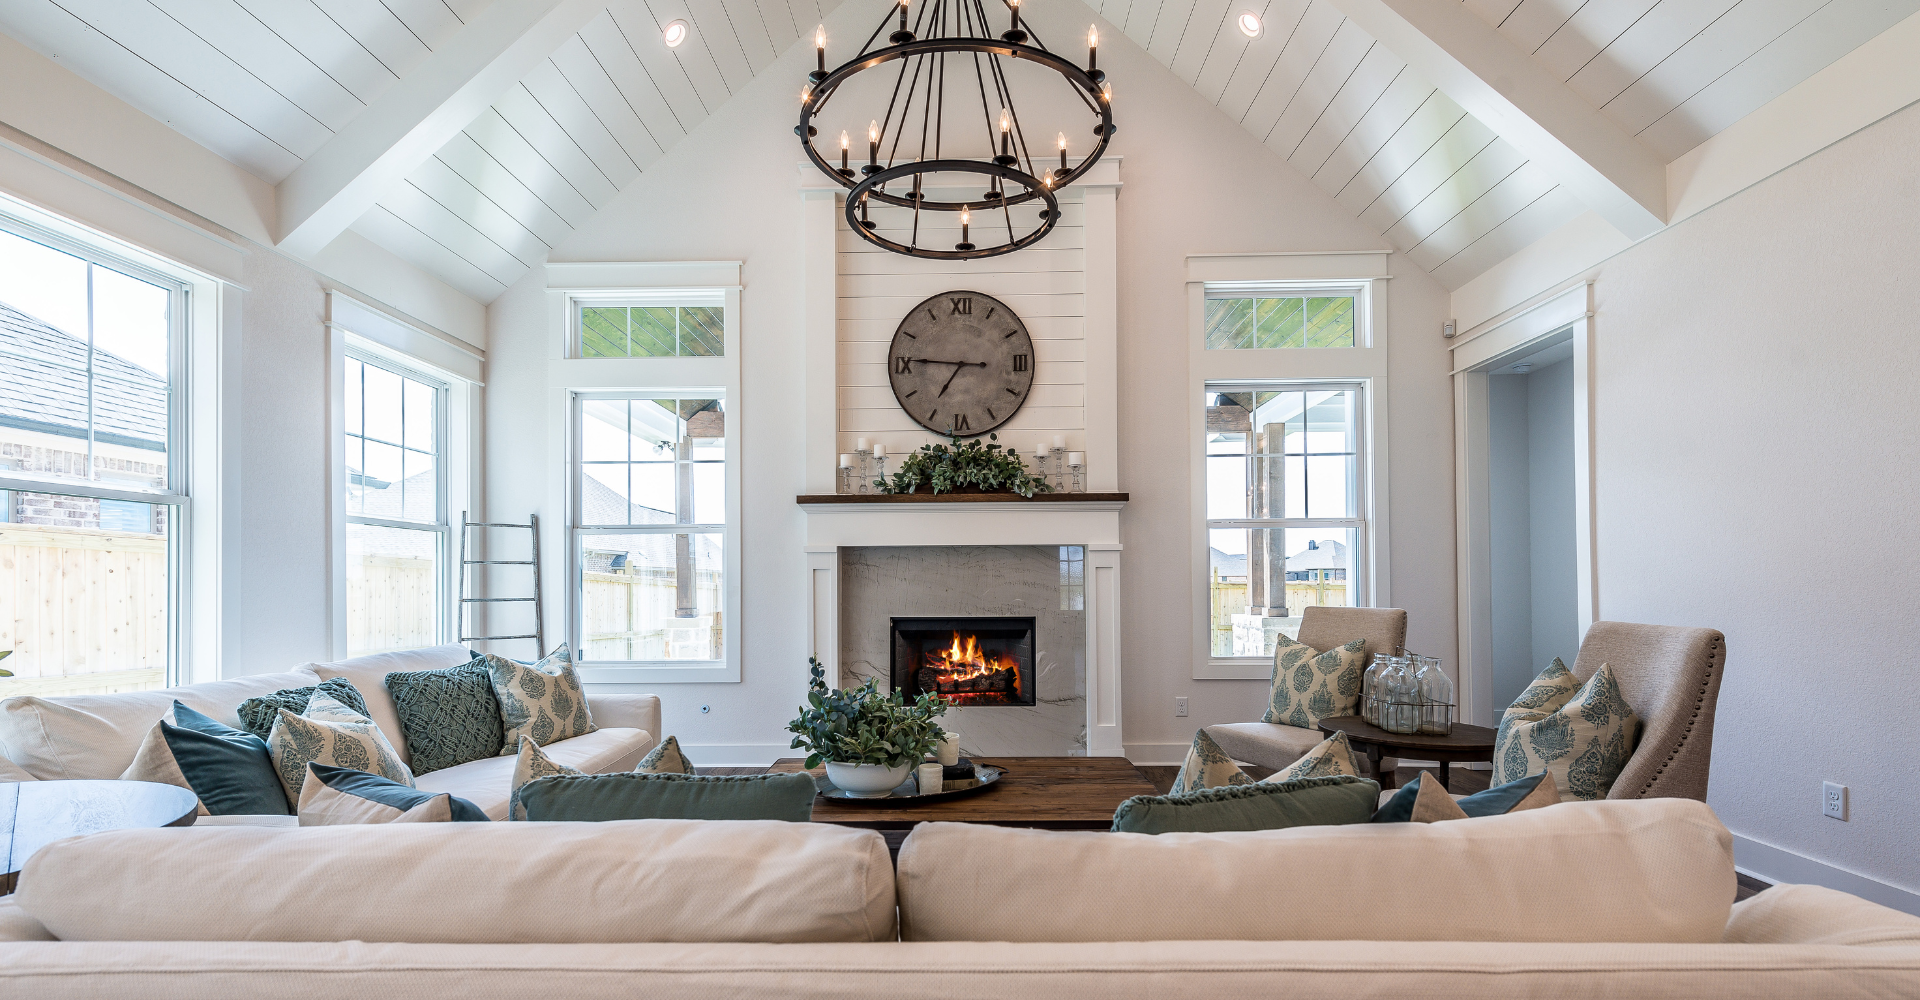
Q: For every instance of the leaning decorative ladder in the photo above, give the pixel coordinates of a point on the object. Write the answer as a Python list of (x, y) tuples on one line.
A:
[(539, 619)]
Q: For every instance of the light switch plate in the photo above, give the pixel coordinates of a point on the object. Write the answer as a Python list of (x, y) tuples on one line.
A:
[(1179, 708)]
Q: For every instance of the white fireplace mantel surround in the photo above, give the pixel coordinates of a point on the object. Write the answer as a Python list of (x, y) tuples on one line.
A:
[(1094, 524)]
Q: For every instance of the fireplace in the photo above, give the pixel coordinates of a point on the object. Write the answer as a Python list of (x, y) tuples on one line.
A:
[(972, 661)]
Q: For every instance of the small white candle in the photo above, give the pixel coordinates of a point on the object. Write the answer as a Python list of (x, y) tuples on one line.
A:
[(1076, 458), (860, 445), (1040, 450), (846, 461), (879, 450), (949, 752), (1059, 442), (928, 778)]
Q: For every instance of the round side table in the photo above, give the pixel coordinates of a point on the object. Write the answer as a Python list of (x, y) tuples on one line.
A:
[(34, 814), (1466, 743)]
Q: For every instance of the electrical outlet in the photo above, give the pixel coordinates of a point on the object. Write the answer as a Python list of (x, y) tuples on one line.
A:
[(1833, 800), (1179, 708)]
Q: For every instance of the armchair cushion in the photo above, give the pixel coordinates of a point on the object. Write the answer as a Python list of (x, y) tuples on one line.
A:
[(1264, 743), (1309, 685), (1582, 734)]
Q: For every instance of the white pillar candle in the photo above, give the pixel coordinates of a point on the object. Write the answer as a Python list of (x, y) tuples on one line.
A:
[(846, 461), (1040, 450), (879, 450), (1076, 458), (949, 752), (1059, 442), (928, 778), (860, 445)]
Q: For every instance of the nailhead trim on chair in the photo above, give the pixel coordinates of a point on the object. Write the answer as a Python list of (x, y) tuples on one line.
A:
[(1699, 700)]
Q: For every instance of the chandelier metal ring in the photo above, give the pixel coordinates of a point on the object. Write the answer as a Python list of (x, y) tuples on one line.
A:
[(817, 98), (868, 187)]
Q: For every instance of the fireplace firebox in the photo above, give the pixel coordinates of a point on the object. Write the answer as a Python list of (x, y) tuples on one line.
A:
[(972, 661)]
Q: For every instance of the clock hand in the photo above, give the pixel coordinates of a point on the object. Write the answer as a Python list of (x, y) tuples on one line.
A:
[(957, 365), (963, 364)]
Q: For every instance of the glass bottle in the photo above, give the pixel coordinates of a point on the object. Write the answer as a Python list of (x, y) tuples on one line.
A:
[(1367, 681), (1403, 692), (1436, 698)]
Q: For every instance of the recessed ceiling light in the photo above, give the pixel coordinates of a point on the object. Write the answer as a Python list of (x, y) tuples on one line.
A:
[(676, 33), (1250, 24)]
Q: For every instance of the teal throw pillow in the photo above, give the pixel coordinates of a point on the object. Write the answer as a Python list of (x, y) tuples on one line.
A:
[(1420, 802), (632, 795), (341, 796), (257, 715), (449, 716), (1332, 800), (230, 770)]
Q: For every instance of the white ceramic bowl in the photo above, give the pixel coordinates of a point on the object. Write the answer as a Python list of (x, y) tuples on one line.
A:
[(867, 781)]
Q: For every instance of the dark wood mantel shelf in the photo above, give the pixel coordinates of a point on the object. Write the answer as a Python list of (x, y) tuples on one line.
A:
[(1000, 498)]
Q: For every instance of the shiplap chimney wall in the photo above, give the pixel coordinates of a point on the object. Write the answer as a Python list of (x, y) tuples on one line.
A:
[(1063, 288)]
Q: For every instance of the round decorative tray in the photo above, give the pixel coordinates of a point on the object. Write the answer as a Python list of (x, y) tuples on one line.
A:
[(909, 791)]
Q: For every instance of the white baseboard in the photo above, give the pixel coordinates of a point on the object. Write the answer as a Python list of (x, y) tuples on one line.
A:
[(739, 754), (1777, 864)]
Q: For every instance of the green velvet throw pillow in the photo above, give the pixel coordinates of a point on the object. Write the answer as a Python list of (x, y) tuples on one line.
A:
[(1332, 800), (632, 795), (257, 715), (449, 716)]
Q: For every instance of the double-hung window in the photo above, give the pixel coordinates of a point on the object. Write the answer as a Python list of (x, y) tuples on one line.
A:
[(93, 491), (397, 528), (1285, 525)]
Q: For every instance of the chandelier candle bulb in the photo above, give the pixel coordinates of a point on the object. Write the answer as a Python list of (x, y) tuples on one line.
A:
[(1063, 153), (903, 14), (873, 144), (1093, 46), (843, 153), (820, 46)]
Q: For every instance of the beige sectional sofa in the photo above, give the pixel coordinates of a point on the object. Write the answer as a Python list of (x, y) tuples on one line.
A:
[(1600, 900), (96, 736)]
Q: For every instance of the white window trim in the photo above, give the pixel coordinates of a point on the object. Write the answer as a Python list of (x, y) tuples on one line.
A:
[(1365, 365), (569, 284), (204, 633), (354, 328)]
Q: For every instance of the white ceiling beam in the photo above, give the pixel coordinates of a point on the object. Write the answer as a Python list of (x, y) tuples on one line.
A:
[(1495, 81), (407, 124)]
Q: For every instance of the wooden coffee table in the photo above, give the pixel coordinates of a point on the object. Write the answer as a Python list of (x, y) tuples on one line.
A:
[(1466, 743), (34, 814), (1047, 793)]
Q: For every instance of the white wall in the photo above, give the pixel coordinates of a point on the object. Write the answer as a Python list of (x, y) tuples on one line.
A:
[(1195, 181), (1756, 455)]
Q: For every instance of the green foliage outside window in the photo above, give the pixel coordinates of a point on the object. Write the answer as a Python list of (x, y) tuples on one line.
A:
[(1308, 321), (651, 332)]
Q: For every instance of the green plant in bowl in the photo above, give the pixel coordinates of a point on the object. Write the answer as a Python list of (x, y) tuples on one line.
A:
[(868, 739)]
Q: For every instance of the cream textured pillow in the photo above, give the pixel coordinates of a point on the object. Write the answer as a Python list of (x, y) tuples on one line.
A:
[(543, 700), (532, 764), (1581, 734), (665, 759), (333, 734), (1208, 766), (1309, 685)]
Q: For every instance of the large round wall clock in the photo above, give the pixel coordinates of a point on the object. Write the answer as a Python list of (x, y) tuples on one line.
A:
[(961, 363)]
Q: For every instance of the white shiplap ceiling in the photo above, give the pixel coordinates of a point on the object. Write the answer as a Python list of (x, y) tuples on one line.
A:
[(266, 83)]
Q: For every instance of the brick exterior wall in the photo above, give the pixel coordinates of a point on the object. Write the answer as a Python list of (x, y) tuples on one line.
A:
[(72, 512)]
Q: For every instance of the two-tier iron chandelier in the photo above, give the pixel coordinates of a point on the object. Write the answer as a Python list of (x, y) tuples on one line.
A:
[(902, 166)]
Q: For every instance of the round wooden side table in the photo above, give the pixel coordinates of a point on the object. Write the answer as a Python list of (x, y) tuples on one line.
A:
[(34, 814), (1465, 743)]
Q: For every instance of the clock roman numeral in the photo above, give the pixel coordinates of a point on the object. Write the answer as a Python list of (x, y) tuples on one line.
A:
[(903, 366), (1019, 362), (961, 306), (960, 422)]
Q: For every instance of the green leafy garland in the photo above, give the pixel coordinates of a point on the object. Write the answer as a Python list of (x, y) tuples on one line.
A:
[(971, 466), (863, 726)]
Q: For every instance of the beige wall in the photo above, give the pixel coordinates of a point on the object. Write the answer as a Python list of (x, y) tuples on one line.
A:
[(1195, 182)]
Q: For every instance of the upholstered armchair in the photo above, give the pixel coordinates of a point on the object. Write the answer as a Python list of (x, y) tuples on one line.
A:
[(1671, 678), (1271, 745)]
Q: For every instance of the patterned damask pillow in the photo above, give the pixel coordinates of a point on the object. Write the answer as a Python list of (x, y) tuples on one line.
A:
[(1309, 685), (330, 733), (665, 759), (532, 764), (541, 700), (1333, 756), (1208, 766), (1581, 734)]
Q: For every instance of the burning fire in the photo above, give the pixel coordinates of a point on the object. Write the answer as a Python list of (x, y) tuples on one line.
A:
[(960, 667)]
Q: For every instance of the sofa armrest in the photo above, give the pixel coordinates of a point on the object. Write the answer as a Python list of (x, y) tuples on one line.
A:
[(17, 925), (9, 771), (1815, 914), (627, 711)]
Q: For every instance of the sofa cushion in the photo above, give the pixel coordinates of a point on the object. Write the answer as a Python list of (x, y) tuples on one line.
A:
[(1627, 870), (450, 716), (369, 674), (1817, 915), (544, 700), (257, 715), (634, 881), (338, 796), (96, 735), (488, 783), (330, 733), (1264, 805), (229, 770), (598, 798)]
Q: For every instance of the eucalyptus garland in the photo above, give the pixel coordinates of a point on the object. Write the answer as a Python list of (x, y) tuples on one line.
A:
[(972, 466)]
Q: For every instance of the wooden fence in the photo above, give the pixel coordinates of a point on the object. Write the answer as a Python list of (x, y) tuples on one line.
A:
[(83, 609), (625, 616), (392, 603)]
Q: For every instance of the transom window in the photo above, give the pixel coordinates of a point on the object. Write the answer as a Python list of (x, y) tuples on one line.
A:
[(1284, 516), (397, 525), (683, 325), (650, 536), (1281, 317)]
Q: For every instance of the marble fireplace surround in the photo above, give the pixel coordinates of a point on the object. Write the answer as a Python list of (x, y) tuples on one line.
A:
[(860, 549)]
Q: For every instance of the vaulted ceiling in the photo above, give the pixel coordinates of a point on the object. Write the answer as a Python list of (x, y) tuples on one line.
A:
[(271, 84)]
